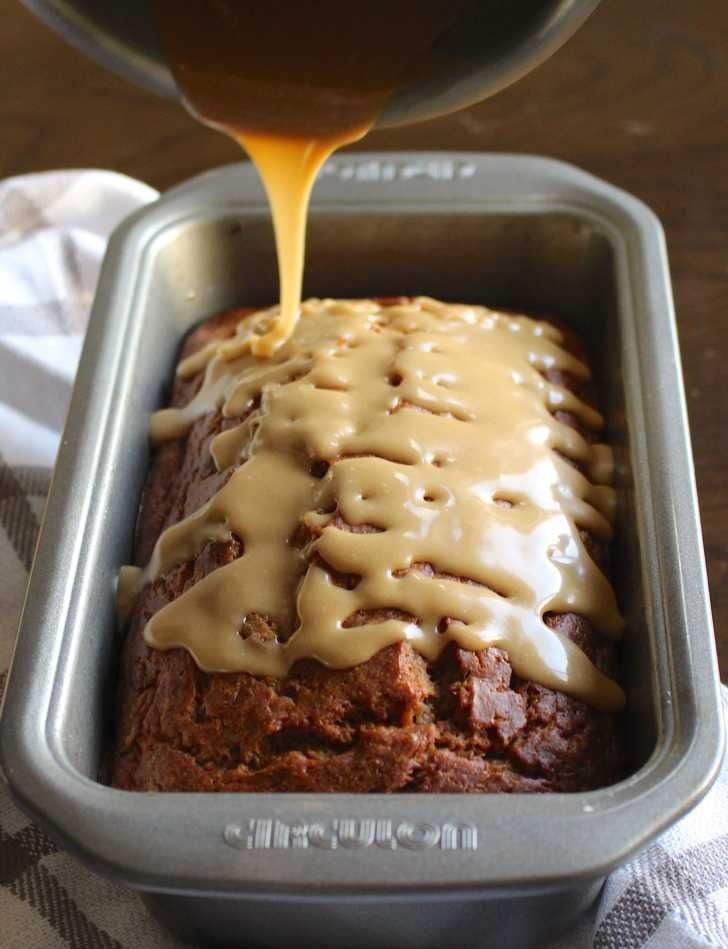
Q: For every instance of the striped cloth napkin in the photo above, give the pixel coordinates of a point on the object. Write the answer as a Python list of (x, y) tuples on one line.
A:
[(53, 231)]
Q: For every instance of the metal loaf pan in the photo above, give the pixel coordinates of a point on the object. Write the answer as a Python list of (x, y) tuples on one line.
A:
[(372, 871)]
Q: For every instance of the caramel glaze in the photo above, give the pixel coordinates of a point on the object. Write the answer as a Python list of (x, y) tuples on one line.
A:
[(398, 472), (292, 82)]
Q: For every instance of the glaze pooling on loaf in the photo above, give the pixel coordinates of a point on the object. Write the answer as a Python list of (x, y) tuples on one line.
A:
[(452, 496)]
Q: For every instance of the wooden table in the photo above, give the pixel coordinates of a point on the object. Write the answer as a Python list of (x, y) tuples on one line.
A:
[(638, 97)]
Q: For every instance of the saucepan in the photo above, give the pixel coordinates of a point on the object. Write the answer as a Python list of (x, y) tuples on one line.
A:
[(489, 45)]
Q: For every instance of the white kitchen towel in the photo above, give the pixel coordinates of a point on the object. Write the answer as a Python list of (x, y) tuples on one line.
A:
[(53, 233), (53, 230)]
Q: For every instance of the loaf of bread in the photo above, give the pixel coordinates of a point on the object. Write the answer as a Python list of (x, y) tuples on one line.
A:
[(411, 716)]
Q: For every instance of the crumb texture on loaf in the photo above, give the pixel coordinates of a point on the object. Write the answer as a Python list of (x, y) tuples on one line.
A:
[(449, 719)]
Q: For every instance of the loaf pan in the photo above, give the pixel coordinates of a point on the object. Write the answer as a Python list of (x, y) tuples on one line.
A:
[(403, 870)]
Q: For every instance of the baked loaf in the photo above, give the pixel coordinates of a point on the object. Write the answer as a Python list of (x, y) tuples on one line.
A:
[(464, 722)]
